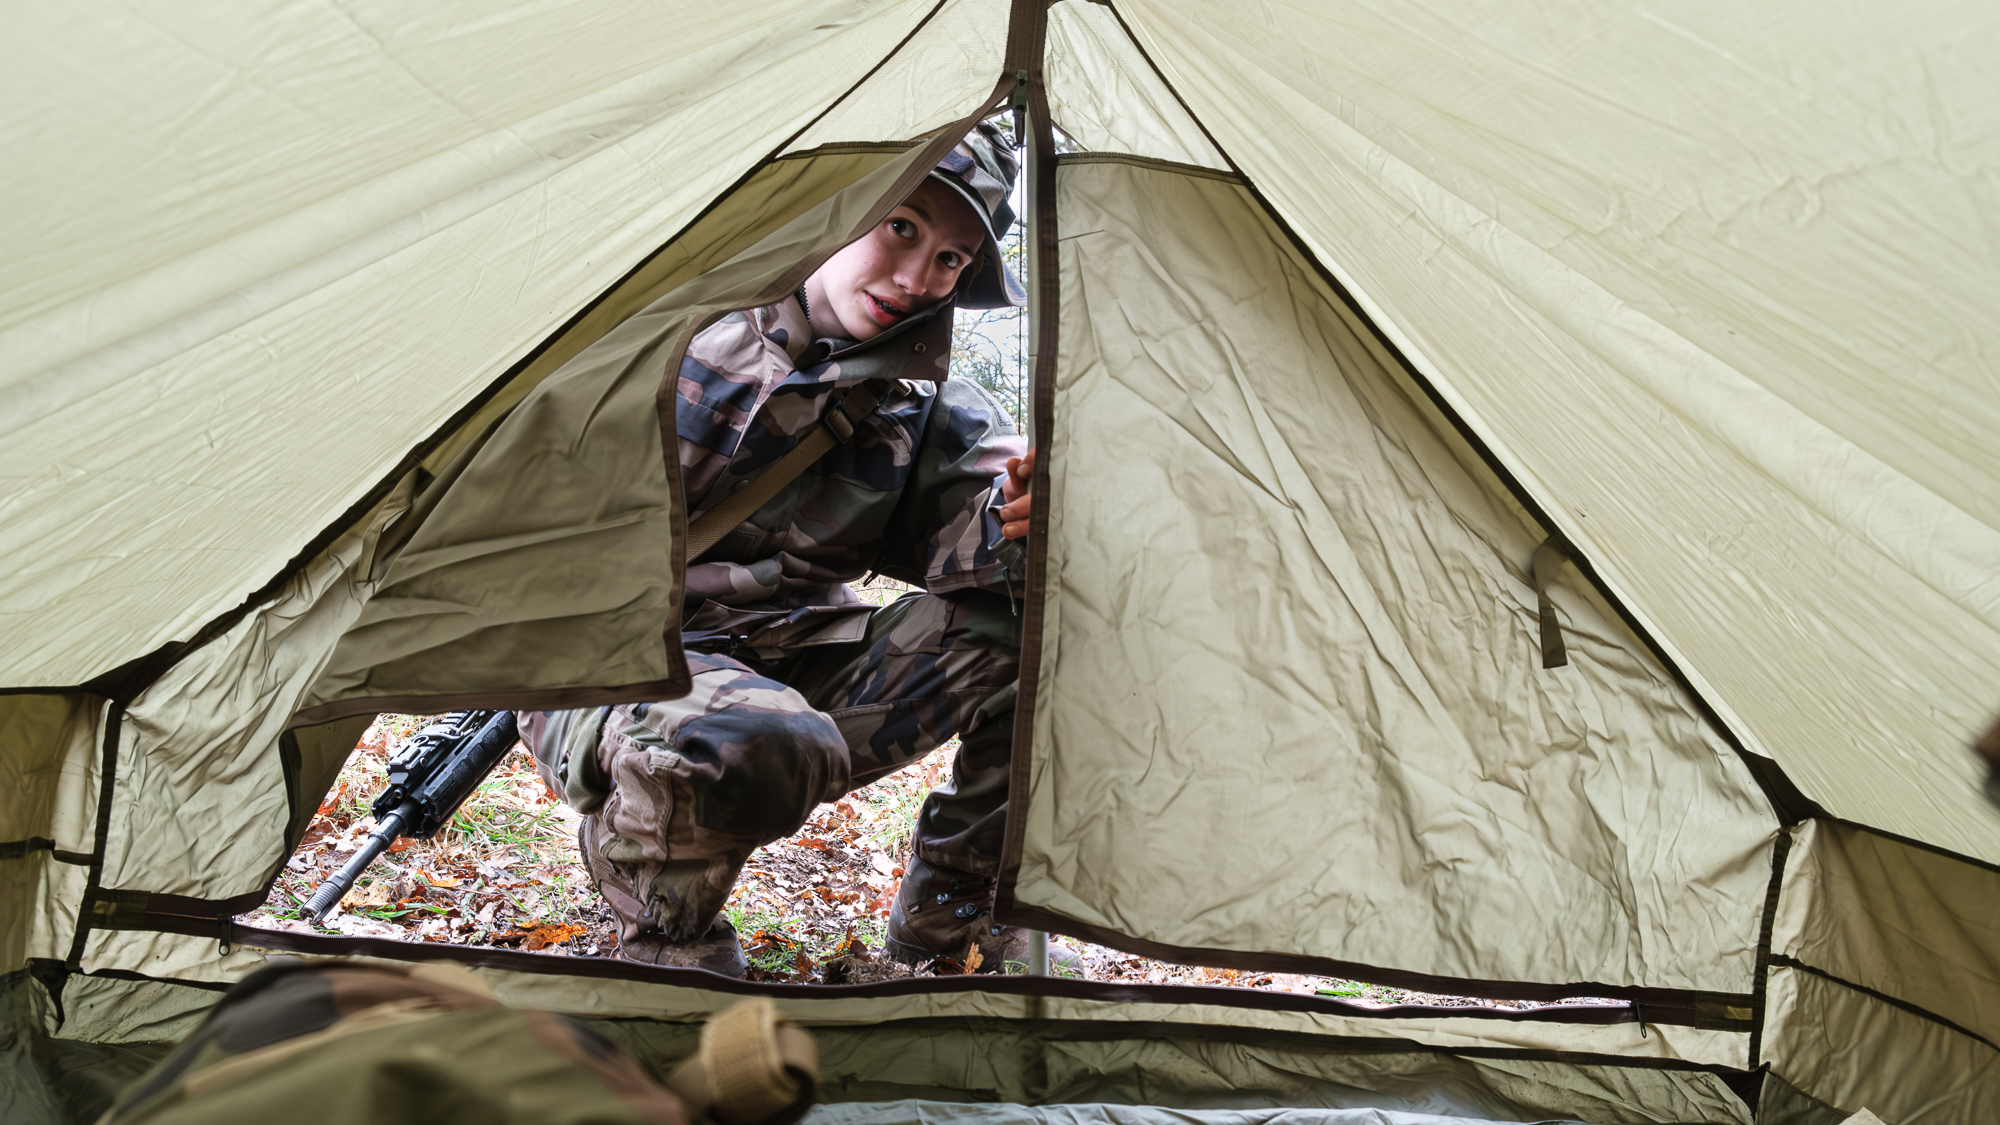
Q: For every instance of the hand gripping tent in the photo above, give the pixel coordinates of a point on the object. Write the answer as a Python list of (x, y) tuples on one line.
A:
[(1520, 511)]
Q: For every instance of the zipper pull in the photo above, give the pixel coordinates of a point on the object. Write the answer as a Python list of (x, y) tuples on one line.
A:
[(1019, 103)]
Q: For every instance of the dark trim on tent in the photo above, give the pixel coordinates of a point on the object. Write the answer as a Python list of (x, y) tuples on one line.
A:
[(236, 933), (543, 699), (1781, 850), (107, 788), (1025, 51), (1785, 961), (1906, 841), (1220, 174), (1714, 1011), (1086, 1031), (858, 83), (142, 978), (16, 849)]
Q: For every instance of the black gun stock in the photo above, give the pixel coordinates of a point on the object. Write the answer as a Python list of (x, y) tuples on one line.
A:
[(429, 777)]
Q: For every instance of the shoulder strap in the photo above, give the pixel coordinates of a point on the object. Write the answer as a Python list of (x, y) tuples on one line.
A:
[(841, 419)]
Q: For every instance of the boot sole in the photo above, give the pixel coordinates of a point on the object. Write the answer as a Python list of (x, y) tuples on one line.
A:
[(905, 953)]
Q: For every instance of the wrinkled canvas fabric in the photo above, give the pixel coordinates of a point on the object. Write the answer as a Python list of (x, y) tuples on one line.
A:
[(1291, 692)]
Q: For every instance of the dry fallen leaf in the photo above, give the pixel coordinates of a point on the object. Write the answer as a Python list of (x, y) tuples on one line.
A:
[(544, 935), (973, 958)]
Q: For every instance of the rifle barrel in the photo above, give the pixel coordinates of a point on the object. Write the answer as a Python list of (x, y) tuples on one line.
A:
[(338, 884)]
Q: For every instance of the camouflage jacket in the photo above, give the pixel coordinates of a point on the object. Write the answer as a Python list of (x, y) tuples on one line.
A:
[(911, 495)]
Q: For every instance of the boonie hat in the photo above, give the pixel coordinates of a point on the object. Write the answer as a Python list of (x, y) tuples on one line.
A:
[(981, 169)]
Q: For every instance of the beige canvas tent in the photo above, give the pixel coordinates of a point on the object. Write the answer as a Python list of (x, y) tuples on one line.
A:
[(1521, 510)]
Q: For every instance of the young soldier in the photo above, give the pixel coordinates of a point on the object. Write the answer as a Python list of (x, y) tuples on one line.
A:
[(801, 691)]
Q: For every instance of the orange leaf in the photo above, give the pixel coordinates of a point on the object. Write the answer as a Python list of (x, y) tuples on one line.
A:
[(401, 844), (544, 935), (810, 842), (803, 961)]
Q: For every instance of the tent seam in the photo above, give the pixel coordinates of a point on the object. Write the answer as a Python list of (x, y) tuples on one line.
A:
[(858, 83), (1781, 850), (1788, 962), (107, 788)]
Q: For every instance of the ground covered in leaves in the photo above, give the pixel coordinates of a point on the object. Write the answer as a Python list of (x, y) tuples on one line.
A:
[(811, 908)]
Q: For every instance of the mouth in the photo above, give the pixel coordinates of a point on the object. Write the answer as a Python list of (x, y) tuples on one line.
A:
[(883, 312)]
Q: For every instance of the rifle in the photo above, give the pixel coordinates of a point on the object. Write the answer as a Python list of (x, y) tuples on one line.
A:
[(429, 777)]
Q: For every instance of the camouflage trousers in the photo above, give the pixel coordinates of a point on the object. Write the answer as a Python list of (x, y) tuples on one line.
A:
[(678, 794)]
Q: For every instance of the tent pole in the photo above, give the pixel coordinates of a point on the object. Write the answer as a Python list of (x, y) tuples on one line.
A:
[(1038, 953)]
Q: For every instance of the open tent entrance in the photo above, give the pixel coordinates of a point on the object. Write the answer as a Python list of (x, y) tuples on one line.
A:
[(1358, 640)]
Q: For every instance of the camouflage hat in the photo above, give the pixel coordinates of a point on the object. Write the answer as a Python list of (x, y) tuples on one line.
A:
[(981, 169)]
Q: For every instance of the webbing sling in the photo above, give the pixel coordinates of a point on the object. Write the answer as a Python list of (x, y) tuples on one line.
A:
[(1549, 560), (834, 429)]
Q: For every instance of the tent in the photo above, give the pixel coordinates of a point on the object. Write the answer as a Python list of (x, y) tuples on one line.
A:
[(1520, 511)]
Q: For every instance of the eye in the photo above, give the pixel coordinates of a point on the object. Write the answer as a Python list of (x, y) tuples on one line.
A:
[(903, 228), (950, 260)]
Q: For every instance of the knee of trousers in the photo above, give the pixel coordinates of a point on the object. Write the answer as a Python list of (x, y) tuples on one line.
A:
[(757, 773)]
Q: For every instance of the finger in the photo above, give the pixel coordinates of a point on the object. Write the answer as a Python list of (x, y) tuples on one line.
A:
[(1016, 530)]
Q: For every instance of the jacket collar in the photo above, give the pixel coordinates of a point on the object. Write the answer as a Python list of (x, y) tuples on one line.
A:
[(918, 348)]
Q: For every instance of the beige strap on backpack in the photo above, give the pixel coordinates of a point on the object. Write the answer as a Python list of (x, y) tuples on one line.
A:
[(754, 1067), (839, 424)]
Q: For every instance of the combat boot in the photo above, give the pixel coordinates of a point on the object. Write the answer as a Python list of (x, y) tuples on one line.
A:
[(639, 936), (719, 951), (943, 912)]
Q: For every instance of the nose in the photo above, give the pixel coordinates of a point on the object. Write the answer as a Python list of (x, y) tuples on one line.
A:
[(921, 276)]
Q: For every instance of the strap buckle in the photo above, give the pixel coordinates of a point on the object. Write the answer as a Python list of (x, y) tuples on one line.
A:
[(838, 421)]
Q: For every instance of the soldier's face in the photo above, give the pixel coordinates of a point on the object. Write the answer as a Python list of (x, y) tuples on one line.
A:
[(909, 262)]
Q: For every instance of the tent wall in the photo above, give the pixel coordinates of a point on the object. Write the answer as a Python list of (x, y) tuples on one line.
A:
[(199, 803), (1292, 697), (1719, 308), (1850, 1051), (265, 251), (49, 785), (546, 572), (1107, 98), (947, 66), (1886, 993)]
